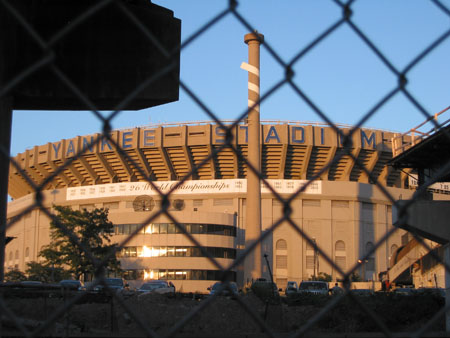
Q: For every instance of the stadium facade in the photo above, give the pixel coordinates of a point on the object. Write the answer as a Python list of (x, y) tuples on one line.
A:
[(341, 210)]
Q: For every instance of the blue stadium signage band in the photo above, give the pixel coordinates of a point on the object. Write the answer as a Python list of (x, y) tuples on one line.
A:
[(271, 134)]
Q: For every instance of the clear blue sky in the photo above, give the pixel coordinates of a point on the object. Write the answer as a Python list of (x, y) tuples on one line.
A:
[(341, 75)]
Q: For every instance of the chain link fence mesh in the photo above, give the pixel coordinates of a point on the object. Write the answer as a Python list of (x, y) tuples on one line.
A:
[(47, 60)]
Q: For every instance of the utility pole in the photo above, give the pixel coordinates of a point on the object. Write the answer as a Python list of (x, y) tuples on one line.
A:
[(253, 261)]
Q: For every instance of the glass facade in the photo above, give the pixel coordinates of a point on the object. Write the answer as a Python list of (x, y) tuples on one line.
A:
[(176, 251), (171, 228), (178, 274)]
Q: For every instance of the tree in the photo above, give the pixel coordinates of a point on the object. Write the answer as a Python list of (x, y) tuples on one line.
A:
[(15, 276), (46, 272), (92, 229), (323, 276)]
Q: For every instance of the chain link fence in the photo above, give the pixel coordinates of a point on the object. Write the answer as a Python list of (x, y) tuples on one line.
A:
[(48, 60)]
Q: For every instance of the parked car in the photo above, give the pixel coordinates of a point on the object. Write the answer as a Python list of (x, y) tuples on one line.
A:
[(291, 288), (314, 287), (115, 284), (156, 286), (224, 291), (72, 284)]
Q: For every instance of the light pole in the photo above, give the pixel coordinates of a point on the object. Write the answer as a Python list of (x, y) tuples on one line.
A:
[(253, 261)]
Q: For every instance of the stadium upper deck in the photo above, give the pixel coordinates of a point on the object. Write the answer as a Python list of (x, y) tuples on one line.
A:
[(290, 150)]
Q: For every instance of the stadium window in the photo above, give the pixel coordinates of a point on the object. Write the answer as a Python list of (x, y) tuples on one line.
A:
[(155, 228), (281, 244), (281, 262), (163, 251), (171, 228), (340, 255), (211, 275), (195, 228), (133, 228), (195, 275), (163, 228), (222, 202), (203, 228), (111, 205), (311, 203), (162, 274), (339, 204), (133, 251), (180, 275), (180, 252), (188, 228), (198, 203), (87, 207), (170, 251), (170, 274), (196, 252)]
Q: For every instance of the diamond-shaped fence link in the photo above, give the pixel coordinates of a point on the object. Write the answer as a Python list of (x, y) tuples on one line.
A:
[(146, 325)]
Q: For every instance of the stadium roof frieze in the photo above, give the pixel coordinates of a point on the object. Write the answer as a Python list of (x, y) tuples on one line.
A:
[(289, 150)]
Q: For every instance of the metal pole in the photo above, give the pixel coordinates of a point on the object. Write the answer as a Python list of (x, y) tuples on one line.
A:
[(253, 264), (447, 287), (5, 145), (315, 257)]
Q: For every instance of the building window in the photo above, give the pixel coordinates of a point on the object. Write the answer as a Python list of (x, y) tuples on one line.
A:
[(17, 254), (281, 254), (281, 244), (310, 262), (111, 205), (222, 201), (311, 203), (281, 261), (340, 204), (340, 255), (198, 203), (87, 207), (27, 252)]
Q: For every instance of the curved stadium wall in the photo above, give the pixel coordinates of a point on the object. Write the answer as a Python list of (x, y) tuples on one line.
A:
[(341, 210)]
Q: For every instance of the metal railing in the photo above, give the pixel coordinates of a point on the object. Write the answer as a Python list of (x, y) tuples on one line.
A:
[(416, 135), (232, 9)]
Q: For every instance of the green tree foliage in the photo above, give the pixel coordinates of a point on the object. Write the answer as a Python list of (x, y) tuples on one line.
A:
[(46, 272), (323, 276), (92, 230), (15, 276)]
